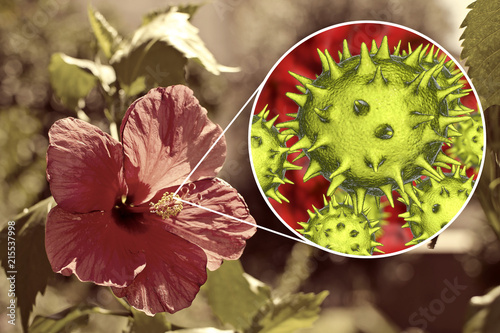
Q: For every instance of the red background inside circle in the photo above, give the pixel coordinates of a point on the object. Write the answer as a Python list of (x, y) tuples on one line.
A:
[(304, 60)]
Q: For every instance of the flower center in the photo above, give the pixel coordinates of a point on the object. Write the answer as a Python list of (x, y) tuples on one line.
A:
[(168, 205)]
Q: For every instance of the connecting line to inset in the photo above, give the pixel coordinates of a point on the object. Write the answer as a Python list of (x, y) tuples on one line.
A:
[(220, 136), (226, 215), (252, 224)]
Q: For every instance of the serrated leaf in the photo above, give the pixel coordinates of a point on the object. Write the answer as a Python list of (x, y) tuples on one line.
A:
[(484, 313), (64, 321), (107, 36), (73, 79), (234, 296), (144, 323), (481, 48), (488, 190), (31, 263), (293, 312)]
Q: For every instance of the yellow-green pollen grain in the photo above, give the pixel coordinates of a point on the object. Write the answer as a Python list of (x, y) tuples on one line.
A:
[(375, 122), (269, 155), (439, 202)]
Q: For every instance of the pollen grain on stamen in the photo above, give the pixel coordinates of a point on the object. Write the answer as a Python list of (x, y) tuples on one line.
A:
[(169, 205)]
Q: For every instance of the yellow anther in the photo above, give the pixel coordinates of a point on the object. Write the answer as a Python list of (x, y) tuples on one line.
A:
[(169, 205)]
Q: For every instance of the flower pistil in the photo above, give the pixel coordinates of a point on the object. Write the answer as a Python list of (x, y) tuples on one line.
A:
[(169, 205)]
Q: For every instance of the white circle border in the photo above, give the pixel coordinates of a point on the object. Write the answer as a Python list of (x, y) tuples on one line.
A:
[(358, 22)]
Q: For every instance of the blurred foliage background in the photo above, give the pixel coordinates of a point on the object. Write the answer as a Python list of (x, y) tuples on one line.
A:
[(400, 293)]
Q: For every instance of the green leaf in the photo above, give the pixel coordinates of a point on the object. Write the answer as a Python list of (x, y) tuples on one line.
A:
[(148, 65), (188, 9), (157, 53), (64, 321), (144, 323), (203, 330), (481, 48), (70, 82), (484, 313), (293, 312), (107, 36), (31, 263), (173, 28), (487, 190), (70, 319), (235, 297), (73, 79)]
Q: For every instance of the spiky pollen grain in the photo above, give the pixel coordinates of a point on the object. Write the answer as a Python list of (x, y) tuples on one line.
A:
[(338, 228), (376, 121), (468, 146), (439, 202), (269, 155)]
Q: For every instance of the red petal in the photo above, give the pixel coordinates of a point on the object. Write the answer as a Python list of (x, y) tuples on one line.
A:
[(174, 272), (165, 134), (93, 247), (219, 236), (84, 166)]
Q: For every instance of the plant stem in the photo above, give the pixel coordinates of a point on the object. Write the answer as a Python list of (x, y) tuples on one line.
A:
[(297, 270), (82, 115), (120, 300), (113, 130)]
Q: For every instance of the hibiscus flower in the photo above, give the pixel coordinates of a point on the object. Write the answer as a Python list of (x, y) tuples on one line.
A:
[(119, 221)]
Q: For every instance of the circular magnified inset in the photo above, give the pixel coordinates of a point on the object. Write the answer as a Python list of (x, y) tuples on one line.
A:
[(367, 139)]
